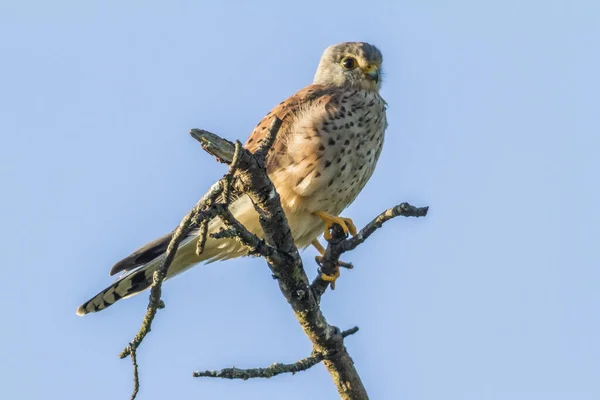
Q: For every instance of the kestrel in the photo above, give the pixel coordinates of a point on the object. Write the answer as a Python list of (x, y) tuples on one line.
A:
[(325, 152)]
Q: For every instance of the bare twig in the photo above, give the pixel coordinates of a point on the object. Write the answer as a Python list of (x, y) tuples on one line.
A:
[(201, 214), (268, 372), (203, 232), (403, 209), (160, 274), (213, 144), (230, 174), (339, 244), (136, 377), (272, 370), (268, 140), (255, 245), (349, 332)]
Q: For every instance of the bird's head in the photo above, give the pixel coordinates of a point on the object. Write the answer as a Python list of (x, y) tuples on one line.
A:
[(352, 64)]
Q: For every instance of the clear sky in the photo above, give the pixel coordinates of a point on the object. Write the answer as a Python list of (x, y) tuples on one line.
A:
[(493, 123)]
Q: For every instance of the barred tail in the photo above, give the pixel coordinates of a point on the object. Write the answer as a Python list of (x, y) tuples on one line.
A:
[(123, 288), (140, 279)]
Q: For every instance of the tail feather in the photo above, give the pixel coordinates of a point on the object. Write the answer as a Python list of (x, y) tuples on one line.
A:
[(140, 279), (123, 288)]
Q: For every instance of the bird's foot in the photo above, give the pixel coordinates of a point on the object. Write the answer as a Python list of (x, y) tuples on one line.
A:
[(330, 220), (331, 278)]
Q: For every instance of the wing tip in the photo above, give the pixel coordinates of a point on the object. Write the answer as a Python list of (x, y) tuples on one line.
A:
[(122, 265)]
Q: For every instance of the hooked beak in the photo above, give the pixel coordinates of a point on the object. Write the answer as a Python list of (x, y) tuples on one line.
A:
[(372, 73)]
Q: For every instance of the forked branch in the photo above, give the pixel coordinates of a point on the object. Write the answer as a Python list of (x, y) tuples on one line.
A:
[(247, 176)]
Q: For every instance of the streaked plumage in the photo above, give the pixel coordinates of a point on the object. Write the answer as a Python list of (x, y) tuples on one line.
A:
[(325, 152)]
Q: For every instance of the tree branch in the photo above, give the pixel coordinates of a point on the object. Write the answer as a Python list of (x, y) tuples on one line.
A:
[(200, 215), (160, 274), (136, 377), (272, 370), (247, 176), (403, 209), (339, 243), (268, 372), (254, 244), (292, 279)]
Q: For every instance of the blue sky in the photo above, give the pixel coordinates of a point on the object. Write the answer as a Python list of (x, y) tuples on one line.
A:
[(493, 123)]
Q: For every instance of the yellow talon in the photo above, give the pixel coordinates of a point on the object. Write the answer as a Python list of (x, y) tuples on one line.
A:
[(329, 278), (318, 246), (330, 220)]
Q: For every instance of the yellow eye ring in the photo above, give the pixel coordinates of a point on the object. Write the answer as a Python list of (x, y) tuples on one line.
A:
[(349, 63)]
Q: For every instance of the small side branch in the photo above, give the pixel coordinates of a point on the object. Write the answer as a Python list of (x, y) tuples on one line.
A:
[(339, 244), (270, 371), (401, 210), (255, 245), (213, 144), (136, 376), (215, 202), (268, 140), (160, 274)]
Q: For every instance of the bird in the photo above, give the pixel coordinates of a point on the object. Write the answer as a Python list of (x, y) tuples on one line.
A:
[(326, 150)]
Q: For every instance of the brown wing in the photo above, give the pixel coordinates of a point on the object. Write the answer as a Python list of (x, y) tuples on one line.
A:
[(286, 111)]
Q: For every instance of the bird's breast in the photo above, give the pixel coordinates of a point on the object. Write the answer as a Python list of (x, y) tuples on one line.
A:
[(332, 152)]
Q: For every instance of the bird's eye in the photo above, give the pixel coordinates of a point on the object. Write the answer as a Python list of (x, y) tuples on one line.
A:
[(349, 63)]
